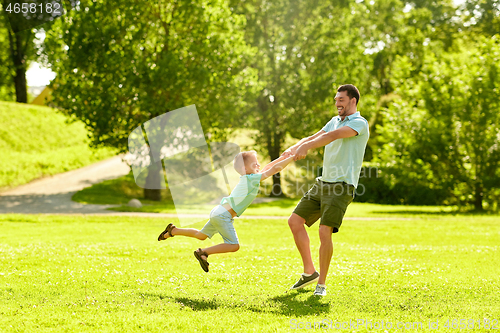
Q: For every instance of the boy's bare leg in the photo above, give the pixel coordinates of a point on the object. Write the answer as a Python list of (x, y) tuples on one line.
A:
[(301, 238), (189, 232), (221, 248), (325, 252), (202, 254)]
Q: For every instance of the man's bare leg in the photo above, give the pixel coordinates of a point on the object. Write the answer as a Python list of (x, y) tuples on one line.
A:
[(297, 226), (325, 252)]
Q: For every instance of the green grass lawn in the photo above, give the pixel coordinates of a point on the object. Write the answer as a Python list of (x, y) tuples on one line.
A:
[(284, 207), (109, 274), (38, 141)]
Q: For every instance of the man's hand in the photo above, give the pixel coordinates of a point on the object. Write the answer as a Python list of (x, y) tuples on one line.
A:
[(287, 153), (300, 153)]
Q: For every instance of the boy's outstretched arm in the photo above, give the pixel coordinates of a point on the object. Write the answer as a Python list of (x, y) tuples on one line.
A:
[(277, 165), (271, 164)]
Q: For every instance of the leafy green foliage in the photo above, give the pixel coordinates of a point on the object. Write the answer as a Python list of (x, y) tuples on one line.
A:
[(444, 132), (305, 50), (274, 66), (121, 64), (482, 17)]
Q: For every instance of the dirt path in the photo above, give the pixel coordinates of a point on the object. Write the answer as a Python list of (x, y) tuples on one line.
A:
[(53, 194)]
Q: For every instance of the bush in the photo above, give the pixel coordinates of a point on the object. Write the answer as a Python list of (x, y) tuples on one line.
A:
[(378, 186)]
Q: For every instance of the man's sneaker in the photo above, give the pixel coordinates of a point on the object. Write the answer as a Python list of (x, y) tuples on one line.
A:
[(320, 290), (305, 280)]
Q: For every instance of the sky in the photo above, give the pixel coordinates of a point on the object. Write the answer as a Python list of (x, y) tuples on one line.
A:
[(38, 76)]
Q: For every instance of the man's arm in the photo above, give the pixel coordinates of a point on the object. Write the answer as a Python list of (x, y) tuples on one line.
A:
[(291, 151), (277, 166), (323, 140)]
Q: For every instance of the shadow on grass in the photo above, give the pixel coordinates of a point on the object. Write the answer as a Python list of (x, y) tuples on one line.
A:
[(287, 305), (194, 303), (197, 304)]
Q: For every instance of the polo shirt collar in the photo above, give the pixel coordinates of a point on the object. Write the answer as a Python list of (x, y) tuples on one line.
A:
[(350, 117)]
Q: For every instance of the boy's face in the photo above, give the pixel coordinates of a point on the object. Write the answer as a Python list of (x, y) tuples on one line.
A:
[(252, 165)]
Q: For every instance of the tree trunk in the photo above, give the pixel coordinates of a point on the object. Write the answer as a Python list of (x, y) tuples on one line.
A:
[(20, 85), (152, 190), (277, 191), (274, 147), (272, 140), (152, 194), (19, 43), (478, 197)]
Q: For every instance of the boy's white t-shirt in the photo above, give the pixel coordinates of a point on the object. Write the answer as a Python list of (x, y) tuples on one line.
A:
[(243, 193)]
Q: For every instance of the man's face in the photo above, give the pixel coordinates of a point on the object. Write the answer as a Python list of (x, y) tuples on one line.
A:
[(343, 103), (252, 165)]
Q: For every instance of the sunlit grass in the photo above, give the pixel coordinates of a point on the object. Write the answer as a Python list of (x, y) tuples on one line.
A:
[(109, 274), (284, 207)]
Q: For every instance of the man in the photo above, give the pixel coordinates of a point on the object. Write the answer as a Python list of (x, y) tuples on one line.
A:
[(345, 137)]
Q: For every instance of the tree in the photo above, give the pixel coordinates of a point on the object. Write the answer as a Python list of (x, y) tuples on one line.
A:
[(121, 64), (7, 91), (405, 28), (444, 132), (393, 28), (305, 49), (20, 48), (482, 16)]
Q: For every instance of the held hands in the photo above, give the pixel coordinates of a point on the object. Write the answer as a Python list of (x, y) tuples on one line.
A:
[(297, 153), (300, 153)]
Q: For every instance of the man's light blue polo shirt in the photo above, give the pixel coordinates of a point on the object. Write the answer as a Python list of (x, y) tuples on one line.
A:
[(344, 157)]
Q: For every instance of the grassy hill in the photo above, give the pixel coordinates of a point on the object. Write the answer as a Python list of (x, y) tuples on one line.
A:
[(37, 141)]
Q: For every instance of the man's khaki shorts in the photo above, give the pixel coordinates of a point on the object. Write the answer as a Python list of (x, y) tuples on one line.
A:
[(326, 200)]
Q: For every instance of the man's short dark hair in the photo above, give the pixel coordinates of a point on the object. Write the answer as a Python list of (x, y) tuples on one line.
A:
[(352, 91)]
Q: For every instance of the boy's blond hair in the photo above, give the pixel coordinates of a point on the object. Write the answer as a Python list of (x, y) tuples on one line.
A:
[(240, 161)]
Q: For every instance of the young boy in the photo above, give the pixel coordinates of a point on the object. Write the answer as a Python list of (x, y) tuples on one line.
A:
[(222, 216)]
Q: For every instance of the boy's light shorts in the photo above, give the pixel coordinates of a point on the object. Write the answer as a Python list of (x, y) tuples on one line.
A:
[(221, 222)]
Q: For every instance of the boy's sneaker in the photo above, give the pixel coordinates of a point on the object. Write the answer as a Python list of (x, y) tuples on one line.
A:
[(320, 290), (305, 280)]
